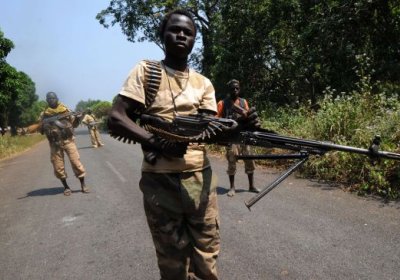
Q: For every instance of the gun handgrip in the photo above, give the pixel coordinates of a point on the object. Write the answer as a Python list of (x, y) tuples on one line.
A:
[(151, 157)]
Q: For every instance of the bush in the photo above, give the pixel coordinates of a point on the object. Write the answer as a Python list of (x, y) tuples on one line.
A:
[(351, 120)]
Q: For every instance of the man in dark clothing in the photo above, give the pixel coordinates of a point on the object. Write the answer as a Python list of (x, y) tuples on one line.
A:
[(225, 110)]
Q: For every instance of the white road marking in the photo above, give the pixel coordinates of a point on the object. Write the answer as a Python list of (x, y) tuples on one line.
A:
[(68, 220), (113, 169)]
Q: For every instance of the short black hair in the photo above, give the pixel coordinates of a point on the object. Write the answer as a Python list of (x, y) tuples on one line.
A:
[(51, 93), (166, 18), (233, 81)]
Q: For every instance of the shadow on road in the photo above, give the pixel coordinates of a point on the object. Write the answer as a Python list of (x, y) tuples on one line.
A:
[(222, 191), (44, 191), (87, 147)]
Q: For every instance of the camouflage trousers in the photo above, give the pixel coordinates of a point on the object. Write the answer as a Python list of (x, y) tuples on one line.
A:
[(231, 153), (95, 137), (182, 214), (57, 159)]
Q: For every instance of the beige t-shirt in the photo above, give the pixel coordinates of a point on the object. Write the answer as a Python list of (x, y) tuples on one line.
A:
[(88, 119), (189, 91)]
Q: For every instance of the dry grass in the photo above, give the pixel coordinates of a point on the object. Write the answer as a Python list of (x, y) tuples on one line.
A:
[(10, 146)]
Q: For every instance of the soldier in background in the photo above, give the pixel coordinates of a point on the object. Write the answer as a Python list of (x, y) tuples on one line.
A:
[(225, 111), (91, 122), (60, 134)]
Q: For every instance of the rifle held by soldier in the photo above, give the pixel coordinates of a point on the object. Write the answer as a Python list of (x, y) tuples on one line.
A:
[(53, 119)]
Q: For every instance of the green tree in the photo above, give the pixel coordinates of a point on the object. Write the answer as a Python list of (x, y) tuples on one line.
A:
[(252, 53), (6, 46), (82, 105), (17, 90), (284, 51), (32, 114), (291, 51), (101, 109)]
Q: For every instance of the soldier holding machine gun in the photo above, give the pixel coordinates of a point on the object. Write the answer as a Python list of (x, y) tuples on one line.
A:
[(178, 185), (57, 122)]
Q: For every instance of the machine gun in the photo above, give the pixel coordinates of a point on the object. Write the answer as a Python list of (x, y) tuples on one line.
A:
[(211, 130), (47, 120), (56, 119)]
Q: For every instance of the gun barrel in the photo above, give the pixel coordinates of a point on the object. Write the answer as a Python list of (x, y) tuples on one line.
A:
[(311, 146), (57, 117)]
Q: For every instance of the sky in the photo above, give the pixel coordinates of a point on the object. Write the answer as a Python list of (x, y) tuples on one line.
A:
[(63, 48)]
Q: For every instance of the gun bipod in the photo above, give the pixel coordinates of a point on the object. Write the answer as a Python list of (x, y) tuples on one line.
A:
[(303, 156)]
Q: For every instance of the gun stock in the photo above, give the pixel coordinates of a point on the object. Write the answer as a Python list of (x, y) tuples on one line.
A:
[(33, 128)]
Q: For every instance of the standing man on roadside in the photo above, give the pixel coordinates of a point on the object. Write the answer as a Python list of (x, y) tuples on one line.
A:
[(57, 122), (226, 110), (91, 122)]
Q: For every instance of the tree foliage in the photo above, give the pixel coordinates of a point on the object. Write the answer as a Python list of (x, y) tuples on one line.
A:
[(283, 51), (17, 91), (291, 51), (6, 46), (82, 105), (31, 114), (99, 108)]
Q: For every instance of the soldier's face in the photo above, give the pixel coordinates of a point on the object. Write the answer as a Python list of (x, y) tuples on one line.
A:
[(52, 100), (179, 36), (234, 90)]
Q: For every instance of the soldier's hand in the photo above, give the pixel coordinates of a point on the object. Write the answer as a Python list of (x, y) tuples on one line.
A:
[(251, 120), (166, 148)]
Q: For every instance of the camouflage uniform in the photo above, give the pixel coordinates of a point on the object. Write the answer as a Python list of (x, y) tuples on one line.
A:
[(62, 140), (182, 214), (179, 194)]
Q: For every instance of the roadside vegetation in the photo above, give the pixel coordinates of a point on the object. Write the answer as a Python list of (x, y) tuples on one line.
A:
[(11, 145), (351, 120)]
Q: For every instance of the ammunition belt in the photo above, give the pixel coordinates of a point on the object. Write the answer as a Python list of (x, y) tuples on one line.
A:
[(152, 81), (169, 135)]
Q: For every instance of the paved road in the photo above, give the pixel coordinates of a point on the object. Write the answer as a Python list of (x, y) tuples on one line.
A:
[(300, 230)]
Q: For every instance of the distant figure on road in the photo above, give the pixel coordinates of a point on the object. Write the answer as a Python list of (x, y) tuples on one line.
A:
[(225, 111), (57, 122), (91, 122)]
